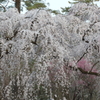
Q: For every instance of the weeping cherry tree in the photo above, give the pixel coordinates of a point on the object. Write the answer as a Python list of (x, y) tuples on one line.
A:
[(50, 58)]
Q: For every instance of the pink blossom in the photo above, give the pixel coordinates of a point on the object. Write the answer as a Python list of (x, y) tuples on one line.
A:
[(84, 64)]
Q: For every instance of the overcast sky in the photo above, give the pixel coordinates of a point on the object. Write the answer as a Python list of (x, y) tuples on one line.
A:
[(57, 4)]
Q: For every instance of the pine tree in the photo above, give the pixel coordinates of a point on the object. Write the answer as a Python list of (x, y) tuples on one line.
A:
[(29, 4), (34, 4), (83, 1)]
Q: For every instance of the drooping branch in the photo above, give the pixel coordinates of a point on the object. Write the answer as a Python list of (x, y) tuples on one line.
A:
[(35, 42), (88, 72), (84, 71), (82, 57), (94, 65)]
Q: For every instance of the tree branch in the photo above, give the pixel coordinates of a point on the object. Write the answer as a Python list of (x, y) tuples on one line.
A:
[(3, 7), (86, 72), (94, 65)]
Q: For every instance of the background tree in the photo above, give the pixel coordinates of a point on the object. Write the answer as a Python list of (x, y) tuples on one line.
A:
[(35, 4), (2, 7), (83, 1), (28, 4), (17, 4), (65, 10), (39, 4)]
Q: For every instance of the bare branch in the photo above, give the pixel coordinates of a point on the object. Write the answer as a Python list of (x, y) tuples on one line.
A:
[(81, 57), (3, 7), (86, 72), (94, 66), (7, 4)]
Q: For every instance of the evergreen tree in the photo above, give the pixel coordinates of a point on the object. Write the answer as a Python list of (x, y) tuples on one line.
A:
[(83, 1), (28, 4), (34, 4), (39, 4)]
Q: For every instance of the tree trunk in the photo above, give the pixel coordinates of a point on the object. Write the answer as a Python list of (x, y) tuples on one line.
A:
[(17, 4)]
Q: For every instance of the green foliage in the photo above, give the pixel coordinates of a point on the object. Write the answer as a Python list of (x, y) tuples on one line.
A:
[(35, 4), (54, 11), (2, 1), (30, 4), (86, 1), (39, 4), (65, 10), (83, 1)]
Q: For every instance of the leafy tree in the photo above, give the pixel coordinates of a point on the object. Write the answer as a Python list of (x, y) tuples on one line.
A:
[(39, 4), (34, 4), (83, 1), (65, 10), (28, 4), (54, 11)]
